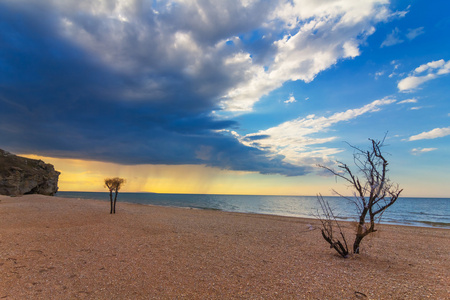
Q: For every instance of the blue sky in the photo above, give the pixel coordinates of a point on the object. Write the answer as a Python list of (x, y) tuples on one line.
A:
[(257, 92)]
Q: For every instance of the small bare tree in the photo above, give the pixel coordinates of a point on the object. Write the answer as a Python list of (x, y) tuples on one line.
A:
[(114, 185), (373, 194), (329, 225)]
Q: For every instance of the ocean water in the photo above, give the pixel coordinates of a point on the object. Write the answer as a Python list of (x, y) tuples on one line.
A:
[(424, 212)]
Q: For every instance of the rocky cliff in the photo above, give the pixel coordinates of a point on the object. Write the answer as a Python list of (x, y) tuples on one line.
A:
[(20, 175)]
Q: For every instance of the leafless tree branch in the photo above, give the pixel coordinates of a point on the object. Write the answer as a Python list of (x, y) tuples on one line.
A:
[(373, 191)]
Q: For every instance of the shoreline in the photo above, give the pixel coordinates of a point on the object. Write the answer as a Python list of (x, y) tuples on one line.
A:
[(413, 223), (431, 225), (54, 248)]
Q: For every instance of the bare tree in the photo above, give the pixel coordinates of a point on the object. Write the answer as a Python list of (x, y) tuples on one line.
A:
[(373, 193), (114, 185), (329, 224)]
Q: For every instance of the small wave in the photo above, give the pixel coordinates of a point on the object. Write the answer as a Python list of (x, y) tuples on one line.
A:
[(206, 208), (435, 224), (426, 214)]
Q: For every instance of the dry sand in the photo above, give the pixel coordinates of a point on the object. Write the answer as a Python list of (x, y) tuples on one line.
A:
[(57, 248)]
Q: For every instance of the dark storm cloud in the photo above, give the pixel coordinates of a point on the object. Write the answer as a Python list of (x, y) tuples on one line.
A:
[(115, 92)]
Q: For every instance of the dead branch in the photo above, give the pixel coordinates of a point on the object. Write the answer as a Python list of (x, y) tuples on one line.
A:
[(373, 193)]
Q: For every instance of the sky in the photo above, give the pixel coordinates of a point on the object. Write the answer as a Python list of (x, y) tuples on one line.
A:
[(226, 97)]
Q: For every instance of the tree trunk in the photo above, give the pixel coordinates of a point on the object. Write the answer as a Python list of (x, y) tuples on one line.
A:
[(336, 245), (115, 199), (358, 240), (111, 201)]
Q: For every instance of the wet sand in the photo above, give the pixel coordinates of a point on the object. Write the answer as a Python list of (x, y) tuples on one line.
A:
[(58, 248)]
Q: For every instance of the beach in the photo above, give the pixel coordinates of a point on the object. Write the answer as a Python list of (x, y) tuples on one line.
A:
[(60, 248)]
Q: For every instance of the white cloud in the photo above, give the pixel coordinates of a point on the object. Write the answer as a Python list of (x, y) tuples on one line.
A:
[(431, 65), (401, 13), (412, 82), (296, 140), (413, 33), (417, 151), (395, 65), (290, 100), (392, 39), (423, 74), (432, 134), (395, 37), (378, 74), (351, 49), (308, 47), (413, 100)]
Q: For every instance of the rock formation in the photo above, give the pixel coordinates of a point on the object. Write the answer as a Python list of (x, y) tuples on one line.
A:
[(20, 175)]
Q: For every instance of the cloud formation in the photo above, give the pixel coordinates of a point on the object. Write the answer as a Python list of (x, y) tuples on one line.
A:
[(432, 134), (412, 100), (310, 38), (418, 151), (291, 99), (424, 73), (413, 33), (395, 37), (138, 82), (297, 140), (392, 39)]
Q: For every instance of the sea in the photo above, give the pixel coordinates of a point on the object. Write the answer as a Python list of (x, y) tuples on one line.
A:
[(423, 212)]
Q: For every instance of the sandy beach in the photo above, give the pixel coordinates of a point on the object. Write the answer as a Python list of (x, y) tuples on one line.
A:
[(57, 248)]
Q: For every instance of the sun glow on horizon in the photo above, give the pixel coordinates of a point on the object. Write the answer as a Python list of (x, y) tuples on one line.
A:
[(88, 176)]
